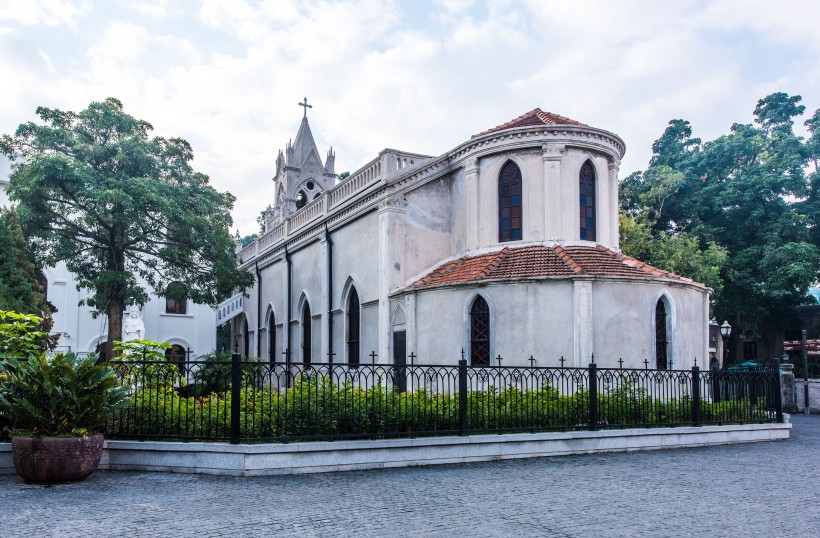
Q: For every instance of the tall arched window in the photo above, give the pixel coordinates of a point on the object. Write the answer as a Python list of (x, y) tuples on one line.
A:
[(480, 332), (661, 336), (587, 189), (246, 337), (509, 203), (271, 338), (353, 325), (306, 336)]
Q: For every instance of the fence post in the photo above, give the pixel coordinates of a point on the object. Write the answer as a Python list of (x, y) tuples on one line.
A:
[(696, 418), (778, 390), (462, 396), (593, 396), (236, 380)]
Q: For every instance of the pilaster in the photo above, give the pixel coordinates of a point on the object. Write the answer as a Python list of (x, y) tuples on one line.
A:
[(326, 300), (551, 155), (582, 322), (614, 233), (471, 170), (391, 265)]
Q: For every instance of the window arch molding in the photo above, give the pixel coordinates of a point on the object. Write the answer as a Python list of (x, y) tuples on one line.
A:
[(669, 305), (467, 339)]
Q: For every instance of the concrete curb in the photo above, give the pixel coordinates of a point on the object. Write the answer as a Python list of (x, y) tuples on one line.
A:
[(331, 456)]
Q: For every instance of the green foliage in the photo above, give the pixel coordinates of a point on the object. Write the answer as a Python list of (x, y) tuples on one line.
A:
[(746, 206), (19, 288), (315, 407), (59, 395), (96, 191), (21, 335), (148, 364)]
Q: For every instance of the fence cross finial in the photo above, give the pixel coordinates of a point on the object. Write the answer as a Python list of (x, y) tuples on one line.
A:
[(373, 357), (499, 359), (532, 361), (646, 364), (412, 358), (562, 361), (621, 363)]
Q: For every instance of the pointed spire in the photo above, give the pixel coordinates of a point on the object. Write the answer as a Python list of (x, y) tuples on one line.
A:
[(330, 162), (303, 146)]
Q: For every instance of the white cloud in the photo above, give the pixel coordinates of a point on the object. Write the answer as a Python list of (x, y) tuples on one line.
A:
[(381, 75), (41, 12), (157, 8)]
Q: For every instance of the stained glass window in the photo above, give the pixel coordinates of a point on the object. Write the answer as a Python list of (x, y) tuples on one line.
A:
[(587, 190), (480, 333), (509, 203)]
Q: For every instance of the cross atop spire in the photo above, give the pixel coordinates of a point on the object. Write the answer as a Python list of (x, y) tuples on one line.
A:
[(306, 106)]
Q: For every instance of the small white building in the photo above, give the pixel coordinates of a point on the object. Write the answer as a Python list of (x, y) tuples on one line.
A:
[(505, 247), (190, 328)]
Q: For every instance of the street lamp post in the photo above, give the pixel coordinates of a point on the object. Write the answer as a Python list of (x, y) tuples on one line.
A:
[(725, 333)]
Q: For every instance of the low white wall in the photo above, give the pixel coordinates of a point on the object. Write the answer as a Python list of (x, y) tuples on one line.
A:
[(814, 395), (319, 457)]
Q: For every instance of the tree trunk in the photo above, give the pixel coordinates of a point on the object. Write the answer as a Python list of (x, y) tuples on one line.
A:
[(114, 312)]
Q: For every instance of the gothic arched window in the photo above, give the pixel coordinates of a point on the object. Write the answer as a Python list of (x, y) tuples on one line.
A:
[(586, 182), (661, 336), (480, 332), (353, 326), (272, 338), (509, 203), (306, 336)]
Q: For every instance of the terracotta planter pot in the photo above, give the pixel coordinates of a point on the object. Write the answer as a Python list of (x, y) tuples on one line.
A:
[(54, 459)]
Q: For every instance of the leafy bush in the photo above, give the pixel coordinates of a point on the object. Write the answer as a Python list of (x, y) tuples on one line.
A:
[(59, 395), (21, 335), (314, 407)]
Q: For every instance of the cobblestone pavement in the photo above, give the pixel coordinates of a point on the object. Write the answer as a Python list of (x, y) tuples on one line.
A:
[(762, 489)]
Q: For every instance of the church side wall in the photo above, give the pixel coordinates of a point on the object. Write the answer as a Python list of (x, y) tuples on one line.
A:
[(623, 315), (356, 257), (526, 319), (433, 224)]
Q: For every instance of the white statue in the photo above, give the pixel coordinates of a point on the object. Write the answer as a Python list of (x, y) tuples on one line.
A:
[(134, 328)]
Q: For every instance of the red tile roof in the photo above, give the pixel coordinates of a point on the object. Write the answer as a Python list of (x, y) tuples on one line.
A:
[(532, 118), (540, 261)]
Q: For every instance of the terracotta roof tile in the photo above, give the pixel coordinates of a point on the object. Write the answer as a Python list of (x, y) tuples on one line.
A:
[(540, 261), (532, 118)]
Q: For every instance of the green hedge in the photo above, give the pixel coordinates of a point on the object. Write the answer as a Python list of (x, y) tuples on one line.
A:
[(315, 407)]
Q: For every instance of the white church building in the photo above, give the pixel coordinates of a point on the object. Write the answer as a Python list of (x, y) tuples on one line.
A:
[(505, 247)]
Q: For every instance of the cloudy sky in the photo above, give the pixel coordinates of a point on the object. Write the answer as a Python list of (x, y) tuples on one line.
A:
[(417, 75)]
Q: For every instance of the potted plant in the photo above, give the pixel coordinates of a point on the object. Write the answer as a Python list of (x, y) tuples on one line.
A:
[(57, 406)]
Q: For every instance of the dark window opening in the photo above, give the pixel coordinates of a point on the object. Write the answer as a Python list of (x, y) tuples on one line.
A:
[(509, 203), (661, 337), (353, 325), (750, 351), (177, 356), (272, 338), (175, 301), (301, 200), (480, 333), (306, 335)]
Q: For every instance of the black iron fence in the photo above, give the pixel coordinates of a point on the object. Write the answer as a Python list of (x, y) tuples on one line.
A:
[(242, 401)]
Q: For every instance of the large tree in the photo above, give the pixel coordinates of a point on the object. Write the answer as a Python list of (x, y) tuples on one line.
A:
[(121, 208), (754, 193)]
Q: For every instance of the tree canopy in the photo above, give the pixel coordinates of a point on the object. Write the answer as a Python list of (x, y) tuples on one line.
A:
[(751, 194), (123, 210)]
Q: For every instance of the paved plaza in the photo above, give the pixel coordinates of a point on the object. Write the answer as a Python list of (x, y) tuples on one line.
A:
[(762, 489)]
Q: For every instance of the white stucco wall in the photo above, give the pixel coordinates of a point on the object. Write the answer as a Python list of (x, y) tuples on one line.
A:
[(81, 332)]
